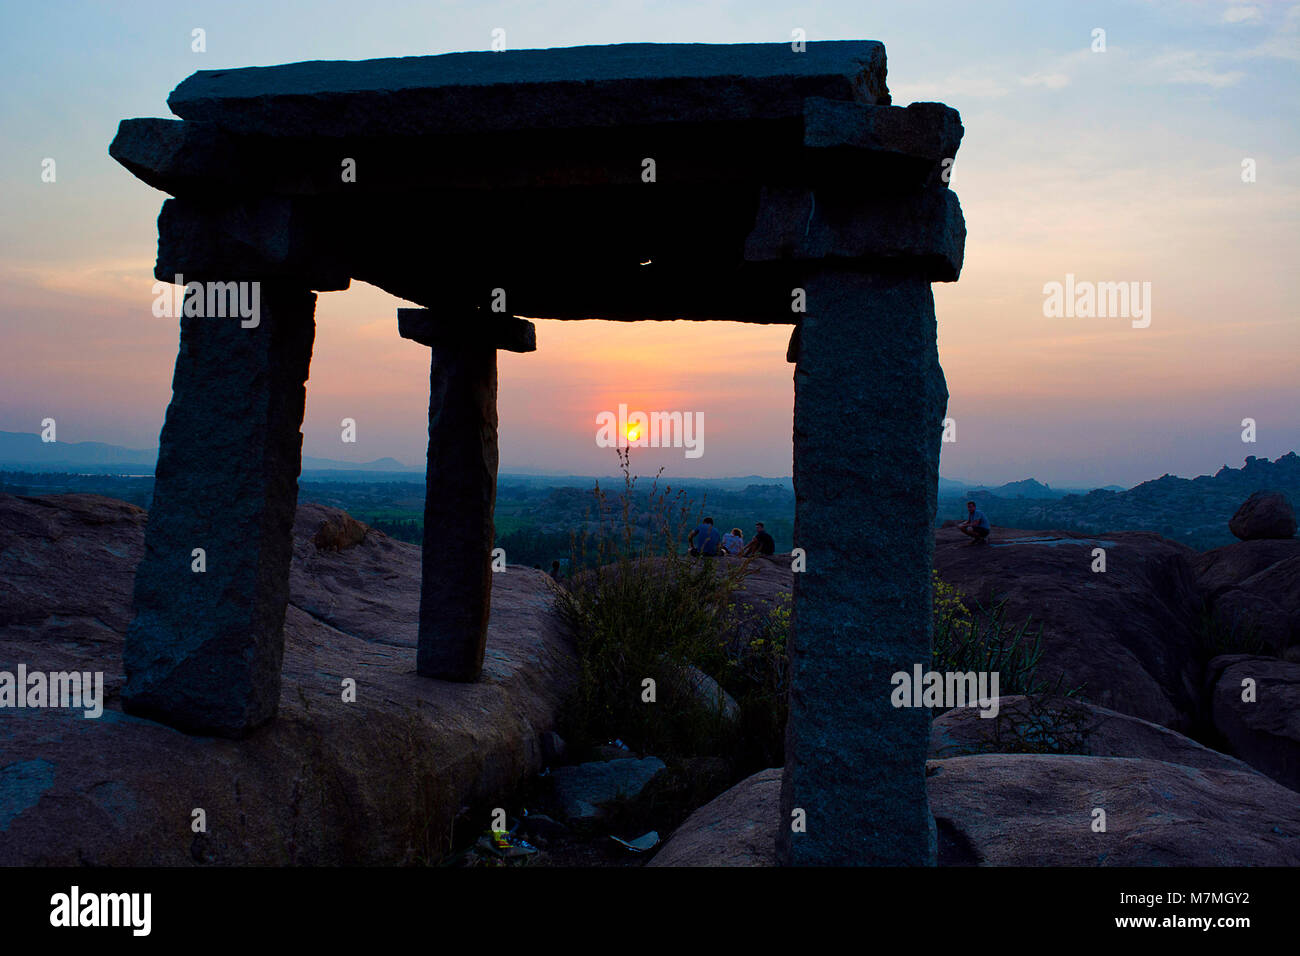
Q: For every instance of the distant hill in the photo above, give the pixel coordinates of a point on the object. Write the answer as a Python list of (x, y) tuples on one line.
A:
[(380, 465), (1026, 488), (26, 449)]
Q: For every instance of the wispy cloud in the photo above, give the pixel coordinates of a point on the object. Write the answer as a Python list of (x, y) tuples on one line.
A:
[(1192, 66), (1235, 14), (1284, 42)]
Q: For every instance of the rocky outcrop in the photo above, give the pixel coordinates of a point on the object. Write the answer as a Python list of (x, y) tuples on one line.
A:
[(1252, 589), (1192, 511), (336, 534), (1227, 567), (375, 780), (1264, 515), (1256, 708), (1127, 635), (1035, 810), (68, 567)]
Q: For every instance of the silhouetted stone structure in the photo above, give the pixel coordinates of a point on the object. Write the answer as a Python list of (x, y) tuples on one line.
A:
[(460, 483), (749, 182)]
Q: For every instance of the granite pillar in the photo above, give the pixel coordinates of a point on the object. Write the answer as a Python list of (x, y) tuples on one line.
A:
[(869, 402), (203, 651), (460, 485)]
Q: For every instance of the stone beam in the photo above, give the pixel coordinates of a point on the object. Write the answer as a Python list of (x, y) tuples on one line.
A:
[(177, 157), (921, 232), (203, 651), (501, 332), (832, 141), (460, 485), (263, 238), (855, 142), (197, 158), (867, 425), (629, 84)]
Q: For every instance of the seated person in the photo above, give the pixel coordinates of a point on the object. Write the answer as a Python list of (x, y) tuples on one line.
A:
[(761, 543), (976, 525), (733, 542), (705, 540)]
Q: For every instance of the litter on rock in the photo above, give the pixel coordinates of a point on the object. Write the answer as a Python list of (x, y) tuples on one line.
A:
[(642, 843), (505, 844)]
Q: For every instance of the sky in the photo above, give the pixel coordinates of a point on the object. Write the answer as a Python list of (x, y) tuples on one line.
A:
[(1122, 164)]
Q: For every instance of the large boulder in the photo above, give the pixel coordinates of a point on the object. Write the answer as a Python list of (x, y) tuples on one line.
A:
[(1227, 567), (67, 567), (1035, 810), (738, 828), (1252, 589), (1030, 725), (1039, 810), (1280, 583), (1264, 515), (1127, 635), (375, 781), (1256, 708)]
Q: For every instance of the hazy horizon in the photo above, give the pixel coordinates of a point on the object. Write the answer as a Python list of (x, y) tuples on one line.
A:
[(416, 470), (1123, 165)]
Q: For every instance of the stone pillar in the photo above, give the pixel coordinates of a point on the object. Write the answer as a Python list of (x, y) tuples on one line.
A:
[(869, 403), (460, 485), (203, 651)]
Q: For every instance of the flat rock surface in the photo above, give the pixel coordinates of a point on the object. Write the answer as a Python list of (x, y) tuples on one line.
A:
[(586, 86), (1076, 726), (1032, 810), (377, 781)]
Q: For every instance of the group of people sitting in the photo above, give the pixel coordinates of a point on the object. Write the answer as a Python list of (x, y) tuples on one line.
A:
[(707, 541)]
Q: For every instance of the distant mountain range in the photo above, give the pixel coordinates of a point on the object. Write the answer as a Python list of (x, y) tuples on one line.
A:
[(21, 451), (1194, 511), (26, 452), (1028, 488)]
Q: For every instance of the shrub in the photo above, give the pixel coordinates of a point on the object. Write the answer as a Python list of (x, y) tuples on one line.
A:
[(757, 674), (642, 610), (984, 642)]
